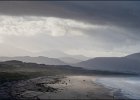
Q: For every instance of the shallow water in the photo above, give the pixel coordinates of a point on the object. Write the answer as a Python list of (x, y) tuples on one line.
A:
[(128, 86)]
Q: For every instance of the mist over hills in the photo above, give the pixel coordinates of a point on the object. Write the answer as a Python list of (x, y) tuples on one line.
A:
[(130, 63), (70, 60), (65, 60), (61, 55), (39, 60), (80, 57)]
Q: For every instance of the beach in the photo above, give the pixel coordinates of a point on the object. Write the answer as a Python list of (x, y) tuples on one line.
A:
[(69, 87)]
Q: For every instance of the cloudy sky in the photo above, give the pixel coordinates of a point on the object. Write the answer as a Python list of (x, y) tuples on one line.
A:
[(89, 28)]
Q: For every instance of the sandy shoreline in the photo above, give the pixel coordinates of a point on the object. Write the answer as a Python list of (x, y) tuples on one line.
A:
[(70, 87)]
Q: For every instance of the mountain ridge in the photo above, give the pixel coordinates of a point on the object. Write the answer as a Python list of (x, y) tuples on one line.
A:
[(39, 60), (120, 64)]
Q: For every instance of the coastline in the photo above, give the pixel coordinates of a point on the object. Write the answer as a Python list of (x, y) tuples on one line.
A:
[(69, 87)]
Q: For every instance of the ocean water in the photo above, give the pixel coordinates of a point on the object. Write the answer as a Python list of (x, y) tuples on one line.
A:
[(128, 86)]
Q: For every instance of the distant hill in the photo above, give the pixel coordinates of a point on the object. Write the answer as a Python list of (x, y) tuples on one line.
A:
[(16, 70), (39, 60), (22, 68), (60, 54), (80, 57), (70, 60), (130, 63), (135, 56)]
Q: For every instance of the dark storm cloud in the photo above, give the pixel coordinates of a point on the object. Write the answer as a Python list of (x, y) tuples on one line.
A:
[(121, 13), (108, 25), (124, 13)]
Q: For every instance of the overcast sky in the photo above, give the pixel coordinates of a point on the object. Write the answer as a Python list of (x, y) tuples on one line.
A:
[(93, 29)]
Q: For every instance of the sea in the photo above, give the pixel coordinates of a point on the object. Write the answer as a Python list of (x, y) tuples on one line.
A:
[(129, 87)]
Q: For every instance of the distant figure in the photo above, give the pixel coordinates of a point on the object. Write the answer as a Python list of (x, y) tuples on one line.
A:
[(69, 80), (84, 80)]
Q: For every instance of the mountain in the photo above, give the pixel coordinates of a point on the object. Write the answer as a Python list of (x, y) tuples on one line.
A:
[(39, 60), (80, 57), (70, 60), (14, 69), (135, 56), (47, 60), (130, 63), (60, 54)]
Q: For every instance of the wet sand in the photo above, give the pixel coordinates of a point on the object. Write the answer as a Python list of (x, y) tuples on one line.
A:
[(78, 87), (70, 87)]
